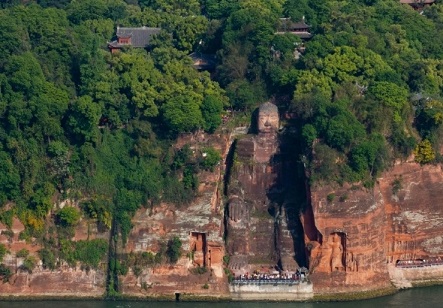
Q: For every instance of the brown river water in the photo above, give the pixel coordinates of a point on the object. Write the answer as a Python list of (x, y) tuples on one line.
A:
[(417, 298)]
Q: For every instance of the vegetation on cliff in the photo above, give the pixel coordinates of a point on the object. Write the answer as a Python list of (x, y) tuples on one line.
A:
[(83, 124), (80, 123)]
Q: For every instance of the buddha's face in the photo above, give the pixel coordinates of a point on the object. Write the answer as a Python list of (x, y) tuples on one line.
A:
[(267, 121)]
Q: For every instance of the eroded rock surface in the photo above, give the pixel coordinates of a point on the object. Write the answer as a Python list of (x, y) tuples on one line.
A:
[(199, 226), (259, 231), (64, 281), (354, 234)]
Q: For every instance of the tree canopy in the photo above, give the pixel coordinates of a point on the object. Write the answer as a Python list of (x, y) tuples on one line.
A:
[(82, 123)]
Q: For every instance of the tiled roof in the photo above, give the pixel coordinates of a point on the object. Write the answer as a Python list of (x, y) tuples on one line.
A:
[(203, 61), (417, 1), (301, 28), (289, 25), (140, 37)]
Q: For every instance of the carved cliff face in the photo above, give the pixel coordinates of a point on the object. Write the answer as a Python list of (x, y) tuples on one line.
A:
[(268, 120), (347, 248), (252, 214), (353, 241)]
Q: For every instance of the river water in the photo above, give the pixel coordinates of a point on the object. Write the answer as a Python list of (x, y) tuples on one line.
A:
[(417, 298)]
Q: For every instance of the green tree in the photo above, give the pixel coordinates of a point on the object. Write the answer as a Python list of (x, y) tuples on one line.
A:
[(390, 95), (48, 258), (84, 118), (9, 179), (29, 264), (210, 158), (182, 114), (173, 250), (424, 153), (68, 216), (211, 110), (90, 253)]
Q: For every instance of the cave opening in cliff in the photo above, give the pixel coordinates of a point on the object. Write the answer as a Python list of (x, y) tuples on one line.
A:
[(198, 248), (177, 297)]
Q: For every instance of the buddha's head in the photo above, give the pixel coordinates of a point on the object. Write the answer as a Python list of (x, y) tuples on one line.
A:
[(268, 121)]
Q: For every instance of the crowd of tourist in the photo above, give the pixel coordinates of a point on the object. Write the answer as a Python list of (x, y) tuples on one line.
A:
[(257, 276), (419, 262)]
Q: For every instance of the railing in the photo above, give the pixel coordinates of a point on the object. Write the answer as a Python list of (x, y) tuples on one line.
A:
[(275, 282), (418, 263)]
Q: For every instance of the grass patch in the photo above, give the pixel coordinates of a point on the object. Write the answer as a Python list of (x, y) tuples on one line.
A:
[(427, 283), (353, 296)]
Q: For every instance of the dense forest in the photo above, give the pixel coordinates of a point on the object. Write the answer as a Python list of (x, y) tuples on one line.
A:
[(78, 122)]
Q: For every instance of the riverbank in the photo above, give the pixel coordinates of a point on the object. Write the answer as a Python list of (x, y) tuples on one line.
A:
[(420, 297), (352, 296), (189, 297)]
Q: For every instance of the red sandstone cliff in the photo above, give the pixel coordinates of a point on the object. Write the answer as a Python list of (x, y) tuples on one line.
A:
[(353, 237), (64, 281), (354, 234), (199, 226)]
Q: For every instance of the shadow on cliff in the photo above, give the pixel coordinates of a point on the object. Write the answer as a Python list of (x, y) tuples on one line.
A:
[(288, 199)]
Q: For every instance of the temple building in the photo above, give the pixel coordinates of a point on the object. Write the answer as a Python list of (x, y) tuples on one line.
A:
[(418, 4), (300, 29), (203, 62), (134, 37)]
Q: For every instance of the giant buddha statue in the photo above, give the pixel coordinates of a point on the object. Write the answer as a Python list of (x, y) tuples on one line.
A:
[(251, 213)]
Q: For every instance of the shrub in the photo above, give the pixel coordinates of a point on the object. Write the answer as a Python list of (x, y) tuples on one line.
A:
[(200, 270), (397, 185), (424, 153), (48, 258), (29, 264), (330, 197), (90, 253), (6, 217), (210, 158), (147, 258), (68, 216), (137, 271), (173, 250), (123, 269), (8, 233), (190, 179), (344, 197), (229, 274), (226, 259), (3, 251), (5, 273), (22, 253), (182, 157)]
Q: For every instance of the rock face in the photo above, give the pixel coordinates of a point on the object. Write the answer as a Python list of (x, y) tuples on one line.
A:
[(354, 235), (349, 237), (199, 226), (345, 239), (249, 226), (59, 283), (65, 281), (413, 198), (257, 228)]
